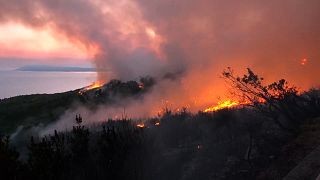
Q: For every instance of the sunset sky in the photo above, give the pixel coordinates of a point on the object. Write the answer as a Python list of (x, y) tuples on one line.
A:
[(18, 40), (22, 45)]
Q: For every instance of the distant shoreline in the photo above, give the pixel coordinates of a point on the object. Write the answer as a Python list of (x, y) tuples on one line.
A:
[(55, 69)]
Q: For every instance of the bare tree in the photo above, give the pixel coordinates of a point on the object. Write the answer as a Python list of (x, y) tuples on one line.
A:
[(272, 100)]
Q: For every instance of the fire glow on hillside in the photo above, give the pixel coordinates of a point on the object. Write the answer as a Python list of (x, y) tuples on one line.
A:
[(140, 125), (223, 105), (94, 85)]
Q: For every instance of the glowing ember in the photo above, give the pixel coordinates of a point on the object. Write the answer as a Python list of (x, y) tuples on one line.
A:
[(140, 125), (304, 61), (95, 85), (222, 105), (141, 86)]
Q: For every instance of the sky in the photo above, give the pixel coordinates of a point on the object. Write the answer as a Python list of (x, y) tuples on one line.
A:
[(195, 39), (20, 41), (21, 45)]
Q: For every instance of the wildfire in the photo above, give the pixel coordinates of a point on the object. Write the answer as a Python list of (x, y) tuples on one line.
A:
[(222, 105), (304, 61), (94, 85), (141, 86), (140, 125)]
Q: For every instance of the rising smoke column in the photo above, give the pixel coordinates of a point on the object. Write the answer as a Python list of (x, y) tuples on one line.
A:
[(272, 38)]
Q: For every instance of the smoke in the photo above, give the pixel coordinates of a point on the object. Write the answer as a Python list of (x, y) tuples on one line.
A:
[(199, 38), (272, 37), (113, 33)]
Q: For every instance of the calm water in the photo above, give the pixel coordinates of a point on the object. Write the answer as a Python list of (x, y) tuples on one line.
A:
[(13, 83)]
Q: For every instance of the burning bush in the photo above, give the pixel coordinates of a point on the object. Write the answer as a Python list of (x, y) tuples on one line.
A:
[(275, 100)]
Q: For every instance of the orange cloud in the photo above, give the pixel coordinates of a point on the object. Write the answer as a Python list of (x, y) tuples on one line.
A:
[(17, 40)]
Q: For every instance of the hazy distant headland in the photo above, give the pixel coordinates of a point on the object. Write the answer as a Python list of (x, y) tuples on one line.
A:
[(43, 79), (55, 68)]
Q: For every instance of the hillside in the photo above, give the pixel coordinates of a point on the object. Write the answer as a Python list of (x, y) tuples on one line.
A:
[(182, 146), (29, 110)]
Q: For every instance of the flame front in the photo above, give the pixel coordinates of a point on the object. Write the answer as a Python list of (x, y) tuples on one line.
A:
[(94, 85), (222, 105), (140, 125)]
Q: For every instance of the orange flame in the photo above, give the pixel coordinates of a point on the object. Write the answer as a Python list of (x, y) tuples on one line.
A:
[(304, 61), (141, 86), (222, 105), (94, 85), (140, 125)]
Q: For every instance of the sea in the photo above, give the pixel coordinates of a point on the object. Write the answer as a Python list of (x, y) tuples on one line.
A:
[(14, 83)]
